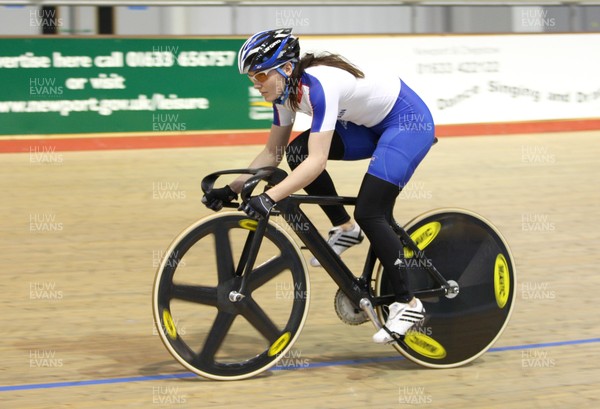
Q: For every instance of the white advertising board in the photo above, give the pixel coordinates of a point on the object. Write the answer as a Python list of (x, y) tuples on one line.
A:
[(485, 78)]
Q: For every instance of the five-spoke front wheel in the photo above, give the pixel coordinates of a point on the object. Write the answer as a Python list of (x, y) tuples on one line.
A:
[(201, 326)]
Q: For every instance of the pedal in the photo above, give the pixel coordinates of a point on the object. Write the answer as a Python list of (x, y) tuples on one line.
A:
[(396, 338)]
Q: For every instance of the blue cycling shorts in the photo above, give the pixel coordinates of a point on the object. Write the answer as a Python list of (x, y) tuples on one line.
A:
[(397, 144)]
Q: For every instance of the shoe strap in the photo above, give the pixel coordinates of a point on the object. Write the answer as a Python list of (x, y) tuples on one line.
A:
[(394, 335)]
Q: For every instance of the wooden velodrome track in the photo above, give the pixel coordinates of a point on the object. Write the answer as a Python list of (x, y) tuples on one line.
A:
[(82, 232)]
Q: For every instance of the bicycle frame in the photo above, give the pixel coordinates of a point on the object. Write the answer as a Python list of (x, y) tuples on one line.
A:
[(357, 289)]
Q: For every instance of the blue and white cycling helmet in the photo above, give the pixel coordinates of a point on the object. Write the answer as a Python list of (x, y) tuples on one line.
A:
[(268, 49)]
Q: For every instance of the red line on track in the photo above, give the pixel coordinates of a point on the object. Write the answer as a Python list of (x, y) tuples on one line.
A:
[(159, 141)]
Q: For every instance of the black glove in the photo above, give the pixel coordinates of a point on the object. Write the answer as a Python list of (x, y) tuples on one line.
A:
[(216, 197), (259, 206)]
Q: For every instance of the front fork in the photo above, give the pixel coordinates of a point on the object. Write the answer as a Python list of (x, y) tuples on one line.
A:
[(248, 257)]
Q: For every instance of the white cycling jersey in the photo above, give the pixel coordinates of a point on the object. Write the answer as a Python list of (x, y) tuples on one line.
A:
[(330, 94)]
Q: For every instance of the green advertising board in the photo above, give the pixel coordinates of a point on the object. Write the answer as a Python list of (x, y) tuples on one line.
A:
[(106, 85)]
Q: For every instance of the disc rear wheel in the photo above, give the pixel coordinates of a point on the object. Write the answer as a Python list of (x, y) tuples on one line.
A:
[(468, 250)]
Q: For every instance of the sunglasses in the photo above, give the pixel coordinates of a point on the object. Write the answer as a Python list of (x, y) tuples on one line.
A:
[(262, 76)]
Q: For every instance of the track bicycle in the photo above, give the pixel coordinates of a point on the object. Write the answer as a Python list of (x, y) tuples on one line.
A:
[(231, 294)]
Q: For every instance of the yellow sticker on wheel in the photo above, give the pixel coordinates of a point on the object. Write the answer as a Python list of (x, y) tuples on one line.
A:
[(248, 224), (424, 345), (280, 344), (169, 325), (501, 281), (423, 236)]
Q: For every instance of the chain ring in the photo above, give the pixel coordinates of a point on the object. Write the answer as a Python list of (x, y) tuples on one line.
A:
[(348, 312)]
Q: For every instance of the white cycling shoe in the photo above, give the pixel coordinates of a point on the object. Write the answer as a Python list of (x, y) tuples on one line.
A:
[(400, 319), (340, 241)]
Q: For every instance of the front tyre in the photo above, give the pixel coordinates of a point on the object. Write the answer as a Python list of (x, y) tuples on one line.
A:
[(201, 327)]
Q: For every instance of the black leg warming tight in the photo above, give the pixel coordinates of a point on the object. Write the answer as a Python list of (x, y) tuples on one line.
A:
[(373, 213)]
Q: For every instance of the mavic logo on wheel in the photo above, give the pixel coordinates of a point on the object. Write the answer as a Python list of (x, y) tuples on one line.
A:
[(501, 281), (280, 344), (248, 224), (423, 236), (169, 325), (424, 345)]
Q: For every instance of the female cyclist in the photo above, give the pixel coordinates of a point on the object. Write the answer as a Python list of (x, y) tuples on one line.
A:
[(354, 116)]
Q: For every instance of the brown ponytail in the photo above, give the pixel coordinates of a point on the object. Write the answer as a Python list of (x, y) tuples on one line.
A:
[(310, 60)]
